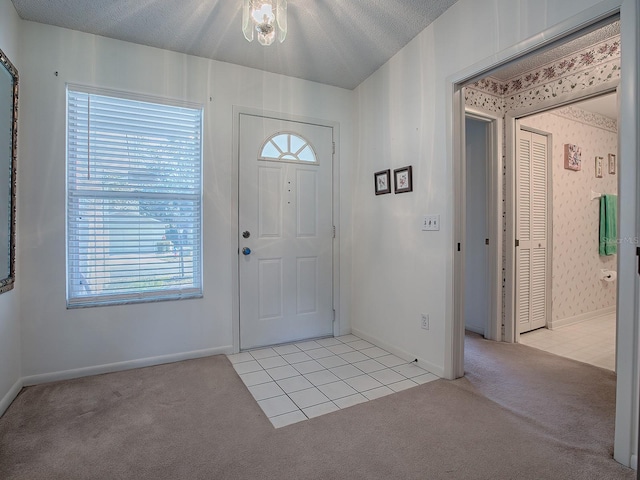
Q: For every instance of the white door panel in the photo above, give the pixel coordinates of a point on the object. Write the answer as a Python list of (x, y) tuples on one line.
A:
[(532, 286), (286, 288)]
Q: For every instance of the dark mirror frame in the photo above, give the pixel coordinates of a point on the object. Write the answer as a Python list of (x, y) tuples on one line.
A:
[(8, 162)]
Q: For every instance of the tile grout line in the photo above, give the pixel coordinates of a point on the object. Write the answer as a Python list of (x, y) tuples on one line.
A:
[(328, 369)]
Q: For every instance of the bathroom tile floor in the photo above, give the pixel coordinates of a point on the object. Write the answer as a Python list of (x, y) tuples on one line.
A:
[(303, 380), (592, 341)]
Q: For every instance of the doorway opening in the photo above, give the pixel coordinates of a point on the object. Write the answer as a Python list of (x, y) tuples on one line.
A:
[(514, 105), (508, 251), (483, 237), (581, 319)]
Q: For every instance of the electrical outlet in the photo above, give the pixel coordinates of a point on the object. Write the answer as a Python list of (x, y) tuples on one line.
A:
[(424, 319)]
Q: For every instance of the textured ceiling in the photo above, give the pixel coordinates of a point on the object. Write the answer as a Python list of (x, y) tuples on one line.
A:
[(549, 56), (336, 42)]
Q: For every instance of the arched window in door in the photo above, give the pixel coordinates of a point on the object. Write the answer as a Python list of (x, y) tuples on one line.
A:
[(288, 147)]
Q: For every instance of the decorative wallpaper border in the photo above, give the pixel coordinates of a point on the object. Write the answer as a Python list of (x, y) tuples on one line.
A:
[(598, 75), (591, 66), (586, 59), (588, 118), (483, 101)]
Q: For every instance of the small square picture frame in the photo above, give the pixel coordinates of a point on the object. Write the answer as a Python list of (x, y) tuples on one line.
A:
[(402, 179), (382, 182), (599, 162), (612, 164)]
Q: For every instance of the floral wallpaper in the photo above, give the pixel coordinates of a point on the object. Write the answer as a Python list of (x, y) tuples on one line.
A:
[(592, 66), (576, 286), (484, 101)]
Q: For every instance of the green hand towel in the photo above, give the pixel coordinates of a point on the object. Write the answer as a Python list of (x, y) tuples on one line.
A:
[(608, 225)]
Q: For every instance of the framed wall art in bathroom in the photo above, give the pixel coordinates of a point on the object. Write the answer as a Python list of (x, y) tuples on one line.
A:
[(599, 161), (572, 157), (612, 163)]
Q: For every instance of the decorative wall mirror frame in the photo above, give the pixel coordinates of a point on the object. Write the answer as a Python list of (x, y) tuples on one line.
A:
[(8, 169)]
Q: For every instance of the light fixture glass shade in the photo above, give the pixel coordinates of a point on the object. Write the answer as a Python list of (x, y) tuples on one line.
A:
[(266, 18)]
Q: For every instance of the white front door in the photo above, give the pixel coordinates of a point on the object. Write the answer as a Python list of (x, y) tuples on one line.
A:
[(286, 231)]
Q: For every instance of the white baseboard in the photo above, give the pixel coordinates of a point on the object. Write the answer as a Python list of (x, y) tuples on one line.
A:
[(10, 396), (344, 331), (583, 317), (634, 462), (435, 369), (119, 366)]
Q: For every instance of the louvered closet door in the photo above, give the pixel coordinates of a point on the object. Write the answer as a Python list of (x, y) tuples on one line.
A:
[(532, 286)]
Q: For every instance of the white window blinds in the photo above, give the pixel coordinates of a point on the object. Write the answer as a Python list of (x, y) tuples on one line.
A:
[(134, 194)]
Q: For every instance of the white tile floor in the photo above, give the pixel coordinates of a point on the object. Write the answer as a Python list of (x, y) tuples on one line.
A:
[(304, 380), (593, 341)]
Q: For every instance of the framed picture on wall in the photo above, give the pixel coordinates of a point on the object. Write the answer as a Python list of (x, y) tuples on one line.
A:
[(599, 161), (382, 181), (572, 157), (612, 163), (402, 179)]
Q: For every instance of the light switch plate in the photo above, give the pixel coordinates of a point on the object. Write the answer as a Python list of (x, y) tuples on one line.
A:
[(430, 222)]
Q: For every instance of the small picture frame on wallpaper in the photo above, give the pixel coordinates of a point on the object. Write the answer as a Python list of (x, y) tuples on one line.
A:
[(382, 181), (599, 161), (572, 157), (612, 163), (402, 179)]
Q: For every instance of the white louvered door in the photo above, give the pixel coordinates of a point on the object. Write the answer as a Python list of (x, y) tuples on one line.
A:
[(532, 287)]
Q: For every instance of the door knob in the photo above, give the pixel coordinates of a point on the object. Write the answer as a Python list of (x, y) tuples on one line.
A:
[(246, 251)]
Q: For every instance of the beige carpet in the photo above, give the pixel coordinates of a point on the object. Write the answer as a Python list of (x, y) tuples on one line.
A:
[(518, 414)]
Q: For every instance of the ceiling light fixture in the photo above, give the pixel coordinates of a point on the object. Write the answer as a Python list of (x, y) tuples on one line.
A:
[(266, 17)]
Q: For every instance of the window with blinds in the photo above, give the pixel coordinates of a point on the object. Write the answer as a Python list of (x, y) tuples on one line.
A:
[(134, 195)]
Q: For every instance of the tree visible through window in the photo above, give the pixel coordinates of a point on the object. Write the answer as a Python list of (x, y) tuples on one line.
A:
[(134, 196)]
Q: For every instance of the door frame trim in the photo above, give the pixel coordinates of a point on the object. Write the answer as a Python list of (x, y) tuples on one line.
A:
[(235, 204)]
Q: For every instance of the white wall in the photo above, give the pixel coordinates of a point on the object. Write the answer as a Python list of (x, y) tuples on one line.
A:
[(476, 288), (399, 271), (9, 301), (55, 339)]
